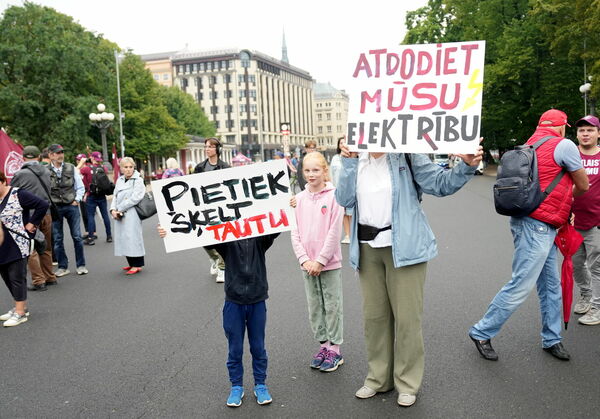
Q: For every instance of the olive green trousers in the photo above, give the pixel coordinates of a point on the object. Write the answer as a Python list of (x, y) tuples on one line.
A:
[(392, 312)]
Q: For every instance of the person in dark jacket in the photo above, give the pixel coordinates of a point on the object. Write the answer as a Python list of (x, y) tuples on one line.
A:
[(20, 213), (35, 178), (212, 149), (246, 291)]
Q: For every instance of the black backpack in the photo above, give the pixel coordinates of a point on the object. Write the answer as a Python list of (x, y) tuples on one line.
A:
[(517, 190), (100, 185)]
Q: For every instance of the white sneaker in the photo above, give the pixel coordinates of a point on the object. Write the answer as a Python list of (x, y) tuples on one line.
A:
[(214, 269), (346, 240), (406, 400), (221, 275), (591, 318), (15, 320), (61, 272), (583, 304), (82, 270), (365, 392), (9, 314)]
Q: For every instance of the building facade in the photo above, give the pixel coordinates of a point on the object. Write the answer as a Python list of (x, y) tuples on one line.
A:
[(330, 114), (160, 66), (248, 95)]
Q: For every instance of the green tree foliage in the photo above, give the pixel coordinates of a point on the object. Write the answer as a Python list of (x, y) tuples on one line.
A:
[(52, 73), (529, 66), (186, 112), (148, 126)]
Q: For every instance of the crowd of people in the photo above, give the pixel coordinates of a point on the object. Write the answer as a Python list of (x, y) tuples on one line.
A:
[(372, 201)]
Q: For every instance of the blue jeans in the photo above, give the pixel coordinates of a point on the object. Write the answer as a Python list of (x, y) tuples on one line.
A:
[(71, 213), (236, 319), (91, 204), (534, 263)]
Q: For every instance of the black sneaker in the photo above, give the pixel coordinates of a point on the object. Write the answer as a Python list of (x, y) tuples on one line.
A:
[(109, 239), (89, 241), (38, 287)]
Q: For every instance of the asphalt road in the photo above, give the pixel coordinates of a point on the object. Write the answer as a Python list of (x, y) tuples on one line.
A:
[(103, 345)]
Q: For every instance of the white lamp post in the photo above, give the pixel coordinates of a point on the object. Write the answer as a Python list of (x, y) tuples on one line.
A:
[(102, 120)]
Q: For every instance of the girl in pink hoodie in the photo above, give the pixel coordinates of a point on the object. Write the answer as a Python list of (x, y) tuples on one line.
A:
[(316, 242)]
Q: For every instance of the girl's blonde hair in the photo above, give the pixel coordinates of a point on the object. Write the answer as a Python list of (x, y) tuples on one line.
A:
[(320, 160)]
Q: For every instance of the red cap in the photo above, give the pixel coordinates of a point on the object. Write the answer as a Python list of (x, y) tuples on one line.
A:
[(553, 118)]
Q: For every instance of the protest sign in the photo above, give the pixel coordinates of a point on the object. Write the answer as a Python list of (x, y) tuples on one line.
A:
[(417, 98), (224, 205)]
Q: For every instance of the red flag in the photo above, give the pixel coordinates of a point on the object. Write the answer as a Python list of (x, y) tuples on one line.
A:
[(11, 155), (115, 163)]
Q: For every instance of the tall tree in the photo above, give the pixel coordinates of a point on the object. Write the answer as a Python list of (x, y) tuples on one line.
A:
[(148, 126), (186, 112), (52, 73), (524, 73)]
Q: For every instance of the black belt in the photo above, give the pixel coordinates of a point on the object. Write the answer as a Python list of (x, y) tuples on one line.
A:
[(368, 233)]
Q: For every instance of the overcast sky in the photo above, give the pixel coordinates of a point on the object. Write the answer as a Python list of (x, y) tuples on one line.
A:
[(322, 36)]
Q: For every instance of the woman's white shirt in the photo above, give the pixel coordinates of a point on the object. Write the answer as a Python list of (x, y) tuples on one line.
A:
[(374, 196)]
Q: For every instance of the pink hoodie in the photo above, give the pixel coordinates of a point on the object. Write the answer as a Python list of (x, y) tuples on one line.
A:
[(319, 221)]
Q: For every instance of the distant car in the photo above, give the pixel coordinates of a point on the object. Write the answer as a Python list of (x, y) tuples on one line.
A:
[(441, 160)]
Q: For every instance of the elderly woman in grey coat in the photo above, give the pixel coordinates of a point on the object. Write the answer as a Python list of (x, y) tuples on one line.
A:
[(129, 241)]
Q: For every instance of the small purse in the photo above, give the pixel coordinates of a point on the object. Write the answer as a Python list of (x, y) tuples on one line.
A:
[(146, 208), (368, 233)]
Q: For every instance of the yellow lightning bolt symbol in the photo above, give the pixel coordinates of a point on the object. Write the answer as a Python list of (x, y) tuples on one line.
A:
[(477, 90)]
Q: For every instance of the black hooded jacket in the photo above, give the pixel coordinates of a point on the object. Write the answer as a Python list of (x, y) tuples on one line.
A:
[(245, 269)]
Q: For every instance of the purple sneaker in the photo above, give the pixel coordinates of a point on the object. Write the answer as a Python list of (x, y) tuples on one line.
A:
[(332, 361), (319, 358)]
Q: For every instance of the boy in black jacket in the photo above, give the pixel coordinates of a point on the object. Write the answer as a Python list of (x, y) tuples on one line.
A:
[(246, 289)]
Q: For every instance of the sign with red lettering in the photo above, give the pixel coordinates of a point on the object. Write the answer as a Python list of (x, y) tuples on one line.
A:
[(417, 98), (224, 205)]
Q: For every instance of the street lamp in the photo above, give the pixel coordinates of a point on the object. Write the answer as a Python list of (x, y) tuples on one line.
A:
[(585, 90), (102, 120)]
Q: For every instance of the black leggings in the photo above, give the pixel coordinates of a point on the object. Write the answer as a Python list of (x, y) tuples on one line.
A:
[(135, 261), (15, 277)]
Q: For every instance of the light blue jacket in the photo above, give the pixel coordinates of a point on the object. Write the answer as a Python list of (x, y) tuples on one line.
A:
[(412, 239)]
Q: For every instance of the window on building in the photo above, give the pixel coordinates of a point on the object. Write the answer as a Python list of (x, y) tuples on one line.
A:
[(339, 128), (228, 93), (165, 77), (187, 68), (216, 124), (200, 96), (214, 109), (230, 138), (253, 108), (338, 116), (329, 129), (243, 108), (240, 78), (199, 82), (320, 130), (229, 108), (214, 94), (253, 94), (229, 123), (195, 67), (156, 77), (202, 66), (227, 78), (328, 115), (319, 116), (213, 80)]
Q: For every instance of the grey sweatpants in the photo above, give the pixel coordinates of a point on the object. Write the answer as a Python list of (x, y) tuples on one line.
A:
[(586, 265)]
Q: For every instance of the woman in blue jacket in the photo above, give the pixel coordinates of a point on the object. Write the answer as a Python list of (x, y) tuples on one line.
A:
[(390, 244)]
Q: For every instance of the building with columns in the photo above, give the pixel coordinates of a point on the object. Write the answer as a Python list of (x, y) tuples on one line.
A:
[(248, 95), (330, 114)]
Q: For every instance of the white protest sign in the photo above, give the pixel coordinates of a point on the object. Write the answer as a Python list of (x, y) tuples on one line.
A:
[(417, 98), (224, 205)]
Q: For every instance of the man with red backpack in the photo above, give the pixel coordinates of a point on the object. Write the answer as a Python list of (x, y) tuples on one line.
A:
[(97, 186), (534, 259)]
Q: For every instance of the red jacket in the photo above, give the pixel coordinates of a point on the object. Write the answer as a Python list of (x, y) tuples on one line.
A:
[(556, 207)]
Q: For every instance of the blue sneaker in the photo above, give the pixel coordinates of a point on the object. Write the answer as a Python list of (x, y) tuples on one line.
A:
[(332, 361), (319, 358), (262, 394), (235, 396)]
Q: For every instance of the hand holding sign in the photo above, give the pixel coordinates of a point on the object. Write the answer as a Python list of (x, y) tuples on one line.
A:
[(473, 159)]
